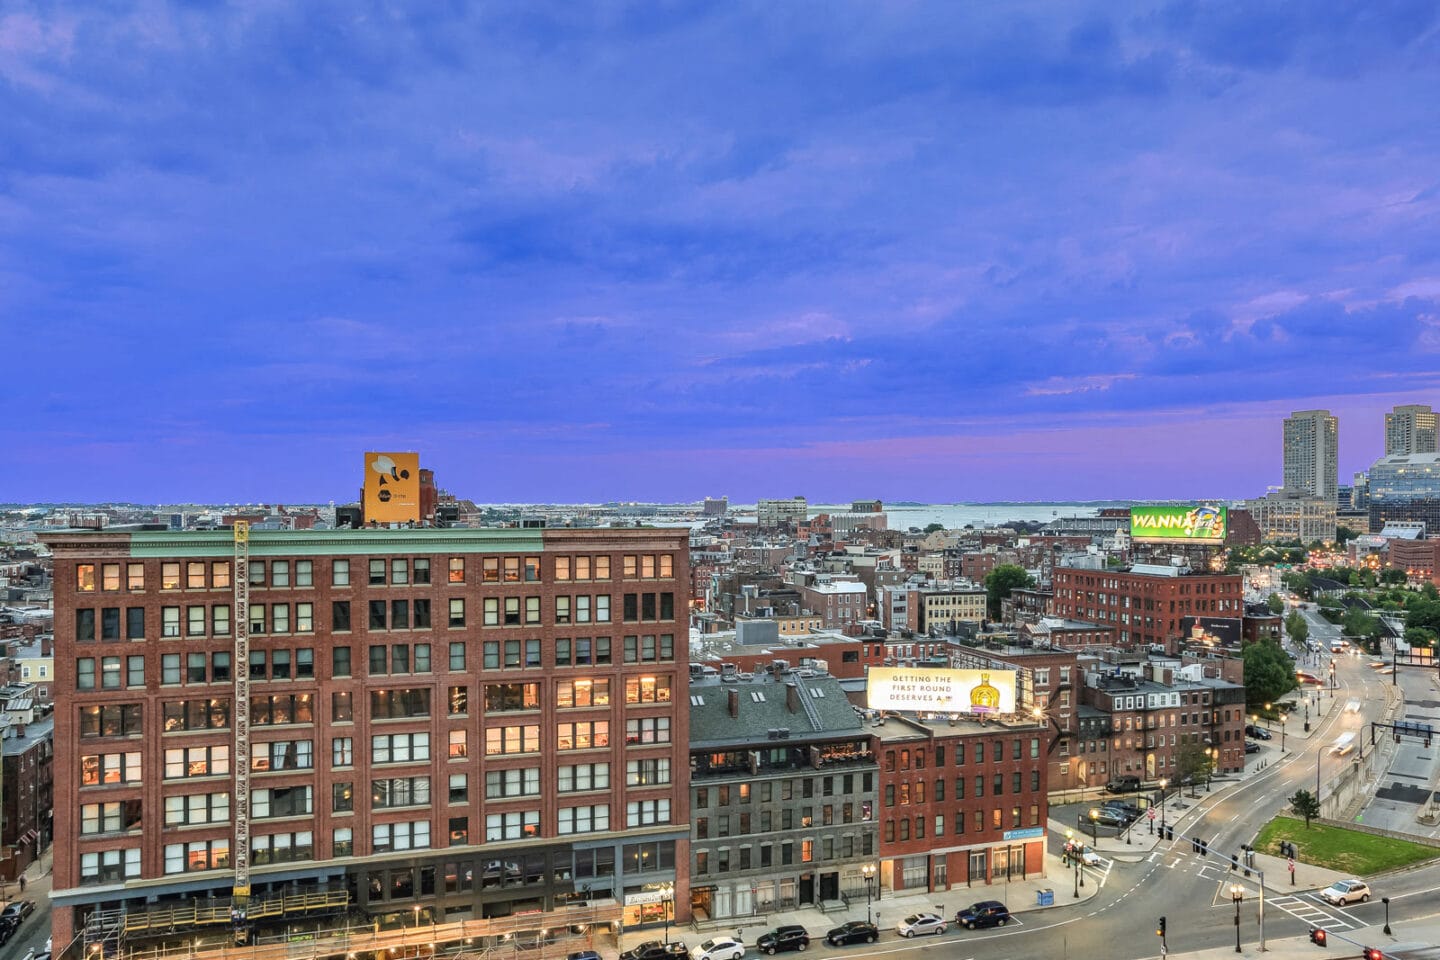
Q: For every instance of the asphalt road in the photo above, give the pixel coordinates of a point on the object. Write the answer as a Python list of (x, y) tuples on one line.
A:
[(1193, 891)]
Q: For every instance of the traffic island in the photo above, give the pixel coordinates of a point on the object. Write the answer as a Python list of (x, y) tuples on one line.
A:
[(1356, 852)]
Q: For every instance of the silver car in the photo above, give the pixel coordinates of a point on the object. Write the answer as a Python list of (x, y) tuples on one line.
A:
[(720, 948), (1343, 892), (918, 923)]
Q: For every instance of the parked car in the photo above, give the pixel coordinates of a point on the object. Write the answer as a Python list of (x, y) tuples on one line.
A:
[(1251, 746), (656, 950), (1259, 733), (791, 936), (720, 948), (1342, 892), (1126, 808), (1089, 857), (583, 955), (7, 930), (19, 909), (856, 931), (986, 913), (918, 923), (1123, 785), (1103, 817)]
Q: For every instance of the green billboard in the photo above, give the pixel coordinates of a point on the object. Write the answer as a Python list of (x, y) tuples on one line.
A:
[(1193, 523)]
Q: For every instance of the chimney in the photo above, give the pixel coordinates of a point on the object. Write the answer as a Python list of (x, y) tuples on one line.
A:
[(734, 703), (792, 697)]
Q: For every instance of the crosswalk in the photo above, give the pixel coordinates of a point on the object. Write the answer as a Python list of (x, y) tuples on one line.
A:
[(1309, 908)]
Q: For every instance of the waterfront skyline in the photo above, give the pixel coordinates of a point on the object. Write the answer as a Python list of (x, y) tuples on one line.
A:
[(662, 252)]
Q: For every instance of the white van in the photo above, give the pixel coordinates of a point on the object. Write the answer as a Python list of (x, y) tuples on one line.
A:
[(1353, 706), (1344, 744)]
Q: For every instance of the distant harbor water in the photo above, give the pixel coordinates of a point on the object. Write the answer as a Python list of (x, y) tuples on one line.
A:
[(954, 516)]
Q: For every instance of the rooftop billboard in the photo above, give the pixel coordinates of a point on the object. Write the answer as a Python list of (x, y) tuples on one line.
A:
[(392, 488), (940, 690), (1192, 523)]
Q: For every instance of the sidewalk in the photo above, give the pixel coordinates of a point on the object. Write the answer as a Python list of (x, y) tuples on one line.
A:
[(1021, 896), (1347, 943)]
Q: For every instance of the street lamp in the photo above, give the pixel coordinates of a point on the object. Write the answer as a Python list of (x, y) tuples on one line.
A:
[(1163, 783), (1095, 826), (869, 871), (1283, 718), (1075, 861), (1237, 893), (1212, 757), (1386, 901), (667, 891)]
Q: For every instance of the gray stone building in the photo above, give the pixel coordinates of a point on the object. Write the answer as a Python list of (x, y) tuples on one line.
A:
[(784, 783)]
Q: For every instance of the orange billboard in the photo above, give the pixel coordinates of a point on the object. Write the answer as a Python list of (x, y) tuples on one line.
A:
[(392, 488)]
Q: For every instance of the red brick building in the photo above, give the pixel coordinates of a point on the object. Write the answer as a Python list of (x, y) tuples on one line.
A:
[(482, 726), (961, 804), (1146, 603)]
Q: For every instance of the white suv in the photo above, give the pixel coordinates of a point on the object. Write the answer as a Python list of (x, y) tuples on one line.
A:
[(1342, 892)]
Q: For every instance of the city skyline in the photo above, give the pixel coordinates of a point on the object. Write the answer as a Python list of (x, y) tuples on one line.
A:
[(658, 253)]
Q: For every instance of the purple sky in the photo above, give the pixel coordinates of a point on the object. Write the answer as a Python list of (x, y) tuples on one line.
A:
[(663, 250)]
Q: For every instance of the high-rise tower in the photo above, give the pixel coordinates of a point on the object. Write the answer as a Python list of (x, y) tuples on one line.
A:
[(1410, 429), (1312, 462)]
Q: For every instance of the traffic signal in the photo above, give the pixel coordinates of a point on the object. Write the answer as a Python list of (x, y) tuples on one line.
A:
[(1160, 928), (1205, 848), (1317, 936)]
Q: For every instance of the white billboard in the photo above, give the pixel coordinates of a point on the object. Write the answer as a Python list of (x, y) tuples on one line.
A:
[(940, 690)]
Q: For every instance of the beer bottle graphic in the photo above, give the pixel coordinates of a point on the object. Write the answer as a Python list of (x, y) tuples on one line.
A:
[(984, 697)]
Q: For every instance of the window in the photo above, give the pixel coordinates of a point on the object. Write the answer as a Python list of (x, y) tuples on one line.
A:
[(400, 792), (304, 618), (516, 739), (343, 842), (282, 847), (640, 813), (500, 784), (220, 620), (342, 707), (459, 787), (510, 697), (457, 655), (280, 802), (198, 855), (135, 576), (457, 569), (112, 720), (109, 817), (580, 777), (420, 570), (645, 773), (562, 569), (562, 610), (342, 752), (457, 611), (512, 826), (647, 690), (377, 572), (283, 708), (135, 623), (85, 577), (278, 755), (257, 573), (650, 649), (109, 768), (340, 661), (583, 693), (400, 704), (591, 819), (582, 735), (340, 616), (111, 866), (647, 730), (184, 762), (490, 571), (340, 573), (280, 573), (399, 747), (182, 715), (512, 611), (459, 701), (458, 744)]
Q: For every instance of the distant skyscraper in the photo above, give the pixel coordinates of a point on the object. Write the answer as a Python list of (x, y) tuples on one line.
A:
[(1410, 429), (1312, 461)]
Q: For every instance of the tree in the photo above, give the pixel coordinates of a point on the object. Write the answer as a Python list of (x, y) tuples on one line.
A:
[(1420, 636), (1193, 762), (1275, 604), (1001, 581), (1297, 629), (1305, 804), (1424, 614), (933, 527), (1396, 577), (1269, 673), (1344, 534)]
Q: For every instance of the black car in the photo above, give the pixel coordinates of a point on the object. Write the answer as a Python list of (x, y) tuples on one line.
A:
[(791, 936), (856, 931), (1123, 785), (655, 950), (986, 913), (1259, 733), (1124, 808), (1251, 746), (19, 909), (7, 930)]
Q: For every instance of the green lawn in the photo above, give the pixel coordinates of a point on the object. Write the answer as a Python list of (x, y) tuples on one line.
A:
[(1348, 851)]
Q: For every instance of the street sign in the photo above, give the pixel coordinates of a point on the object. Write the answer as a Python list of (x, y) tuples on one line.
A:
[(1151, 814)]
